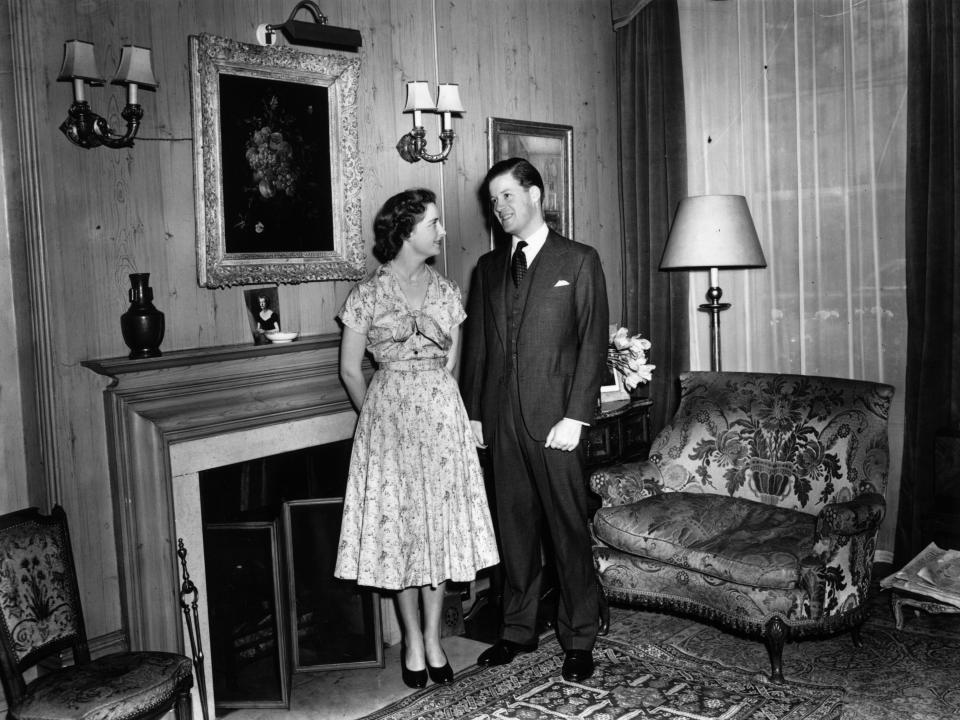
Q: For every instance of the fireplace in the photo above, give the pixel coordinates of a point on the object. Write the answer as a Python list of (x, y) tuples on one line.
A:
[(171, 418), (271, 527)]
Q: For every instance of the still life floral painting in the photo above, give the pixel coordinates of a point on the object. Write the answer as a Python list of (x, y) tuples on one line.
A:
[(277, 173), (276, 166)]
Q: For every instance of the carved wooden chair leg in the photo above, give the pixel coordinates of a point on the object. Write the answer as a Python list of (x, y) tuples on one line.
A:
[(775, 634), (604, 626), (183, 709)]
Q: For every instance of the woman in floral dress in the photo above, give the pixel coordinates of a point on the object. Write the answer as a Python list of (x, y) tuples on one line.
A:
[(415, 512)]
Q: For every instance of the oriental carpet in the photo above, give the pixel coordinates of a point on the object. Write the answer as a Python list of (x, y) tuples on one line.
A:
[(655, 665), (631, 681)]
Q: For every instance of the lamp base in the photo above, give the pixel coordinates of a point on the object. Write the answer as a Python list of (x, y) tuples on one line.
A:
[(714, 307), (412, 146), (85, 128)]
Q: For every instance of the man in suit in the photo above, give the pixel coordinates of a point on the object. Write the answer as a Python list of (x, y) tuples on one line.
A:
[(533, 360)]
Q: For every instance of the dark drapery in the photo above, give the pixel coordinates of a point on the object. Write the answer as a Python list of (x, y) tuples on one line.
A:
[(653, 180), (932, 402)]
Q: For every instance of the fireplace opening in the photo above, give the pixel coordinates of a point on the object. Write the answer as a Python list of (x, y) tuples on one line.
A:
[(271, 527)]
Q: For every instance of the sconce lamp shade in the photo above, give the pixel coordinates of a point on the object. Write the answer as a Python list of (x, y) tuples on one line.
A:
[(713, 231), (418, 96), (135, 67), (79, 62), (448, 98)]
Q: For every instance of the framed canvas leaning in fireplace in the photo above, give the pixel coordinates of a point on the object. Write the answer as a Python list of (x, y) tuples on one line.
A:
[(333, 623), (246, 605)]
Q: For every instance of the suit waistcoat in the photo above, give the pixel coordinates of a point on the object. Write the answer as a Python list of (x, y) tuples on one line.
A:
[(516, 302)]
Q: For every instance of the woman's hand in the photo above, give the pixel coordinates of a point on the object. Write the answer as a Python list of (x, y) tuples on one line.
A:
[(477, 428)]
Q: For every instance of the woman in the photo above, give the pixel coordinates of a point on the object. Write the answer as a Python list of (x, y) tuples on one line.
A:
[(415, 512), (267, 319)]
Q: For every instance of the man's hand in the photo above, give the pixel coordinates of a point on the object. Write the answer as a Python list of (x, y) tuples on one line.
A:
[(565, 435), (477, 428)]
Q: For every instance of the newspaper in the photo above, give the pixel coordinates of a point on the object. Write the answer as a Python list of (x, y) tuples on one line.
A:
[(934, 572)]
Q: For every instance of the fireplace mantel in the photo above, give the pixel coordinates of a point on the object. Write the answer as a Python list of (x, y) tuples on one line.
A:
[(182, 396)]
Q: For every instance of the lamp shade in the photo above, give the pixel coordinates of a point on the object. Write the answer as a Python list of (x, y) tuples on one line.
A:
[(135, 67), (418, 96), (79, 62), (448, 98), (713, 231)]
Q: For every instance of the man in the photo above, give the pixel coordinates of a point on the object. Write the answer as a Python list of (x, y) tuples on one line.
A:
[(533, 360)]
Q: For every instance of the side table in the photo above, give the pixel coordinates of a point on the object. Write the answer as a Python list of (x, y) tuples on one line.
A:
[(620, 431), (900, 600)]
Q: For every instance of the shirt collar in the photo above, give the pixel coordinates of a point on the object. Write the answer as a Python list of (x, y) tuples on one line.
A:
[(534, 242)]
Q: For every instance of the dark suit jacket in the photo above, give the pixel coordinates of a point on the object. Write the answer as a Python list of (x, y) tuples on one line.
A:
[(562, 341)]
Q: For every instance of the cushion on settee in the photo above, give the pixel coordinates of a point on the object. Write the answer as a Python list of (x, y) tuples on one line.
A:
[(730, 538)]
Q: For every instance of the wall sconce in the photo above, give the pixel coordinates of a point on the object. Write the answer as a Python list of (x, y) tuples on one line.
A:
[(83, 126), (413, 145)]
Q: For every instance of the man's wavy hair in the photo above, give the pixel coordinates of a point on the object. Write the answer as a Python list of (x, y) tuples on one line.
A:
[(521, 169), (396, 220)]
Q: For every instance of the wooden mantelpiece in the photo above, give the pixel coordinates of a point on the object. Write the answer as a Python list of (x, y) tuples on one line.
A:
[(184, 396)]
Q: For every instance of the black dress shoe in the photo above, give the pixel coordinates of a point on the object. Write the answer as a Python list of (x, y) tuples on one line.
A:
[(577, 665), (503, 652), (441, 675), (411, 678)]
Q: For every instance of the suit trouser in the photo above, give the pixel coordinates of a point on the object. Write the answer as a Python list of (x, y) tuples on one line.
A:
[(537, 487)]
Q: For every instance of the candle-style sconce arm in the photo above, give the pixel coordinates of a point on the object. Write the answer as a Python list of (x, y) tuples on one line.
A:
[(87, 129), (412, 146)]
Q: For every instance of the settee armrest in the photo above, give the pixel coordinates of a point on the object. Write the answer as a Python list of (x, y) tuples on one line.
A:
[(625, 483), (863, 513)]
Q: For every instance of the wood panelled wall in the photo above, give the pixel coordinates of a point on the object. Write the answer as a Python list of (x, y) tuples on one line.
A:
[(91, 217)]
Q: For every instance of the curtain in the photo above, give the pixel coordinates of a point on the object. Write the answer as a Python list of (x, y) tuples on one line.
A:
[(932, 255), (652, 181), (800, 106)]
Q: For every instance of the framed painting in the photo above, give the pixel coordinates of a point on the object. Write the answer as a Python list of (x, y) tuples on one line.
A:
[(334, 623), (549, 148), (277, 171)]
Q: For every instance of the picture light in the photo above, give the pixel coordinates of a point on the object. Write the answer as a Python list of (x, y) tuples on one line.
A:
[(317, 33)]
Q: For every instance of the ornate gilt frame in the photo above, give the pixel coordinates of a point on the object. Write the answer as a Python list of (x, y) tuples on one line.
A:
[(212, 56)]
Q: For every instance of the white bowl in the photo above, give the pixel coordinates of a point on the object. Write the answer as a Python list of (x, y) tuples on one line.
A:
[(281, 337)]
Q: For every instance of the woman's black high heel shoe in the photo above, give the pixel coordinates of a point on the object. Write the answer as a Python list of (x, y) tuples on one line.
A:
[(441, 675), (411, 678)]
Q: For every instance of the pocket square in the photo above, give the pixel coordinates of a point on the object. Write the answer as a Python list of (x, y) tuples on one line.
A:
[(561, 283)]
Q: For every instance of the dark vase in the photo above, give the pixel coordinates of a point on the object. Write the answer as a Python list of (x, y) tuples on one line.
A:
[(142, 324)]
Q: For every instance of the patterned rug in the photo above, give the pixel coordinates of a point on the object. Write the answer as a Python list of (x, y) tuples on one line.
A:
[(632, 681), (908, 674)]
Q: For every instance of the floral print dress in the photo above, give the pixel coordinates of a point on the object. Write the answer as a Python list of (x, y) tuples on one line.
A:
[(415, 510)]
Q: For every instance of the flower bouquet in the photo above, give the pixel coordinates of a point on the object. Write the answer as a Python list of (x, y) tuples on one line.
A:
[(627, 362)]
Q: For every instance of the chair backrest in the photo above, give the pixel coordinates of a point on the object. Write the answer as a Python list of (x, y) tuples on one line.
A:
[(797, 441), (40, 611)]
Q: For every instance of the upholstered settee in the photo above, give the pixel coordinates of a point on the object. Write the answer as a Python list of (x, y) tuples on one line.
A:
[(758, 507)]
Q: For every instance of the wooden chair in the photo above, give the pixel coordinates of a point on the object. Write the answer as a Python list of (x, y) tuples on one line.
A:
[(40, 617)]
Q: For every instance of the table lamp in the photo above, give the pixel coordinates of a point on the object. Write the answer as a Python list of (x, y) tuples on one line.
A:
[(713, 232)]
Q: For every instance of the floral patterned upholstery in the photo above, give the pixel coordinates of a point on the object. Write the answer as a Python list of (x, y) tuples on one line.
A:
[(40, 616), (758, 507), (114, 687)]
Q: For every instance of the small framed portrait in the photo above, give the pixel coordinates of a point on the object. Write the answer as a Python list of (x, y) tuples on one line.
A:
[(263, 311)]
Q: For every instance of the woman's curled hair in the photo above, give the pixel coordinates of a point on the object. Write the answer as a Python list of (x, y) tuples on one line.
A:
[(396, 220)]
